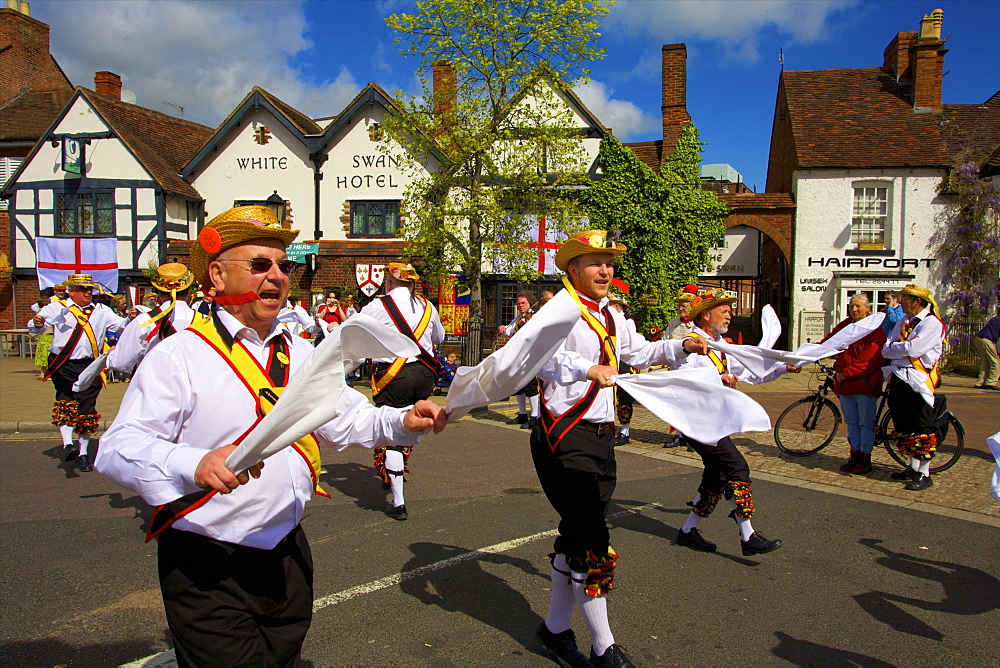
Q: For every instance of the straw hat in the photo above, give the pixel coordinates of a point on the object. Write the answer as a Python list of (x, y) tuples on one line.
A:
[(687, 293), (591, 241), (172, 277), (923, 293), (80, 281), (403, 271), (232, 227), (707, 299)]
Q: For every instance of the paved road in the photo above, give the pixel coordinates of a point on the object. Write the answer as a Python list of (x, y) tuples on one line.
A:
[(857, 582)]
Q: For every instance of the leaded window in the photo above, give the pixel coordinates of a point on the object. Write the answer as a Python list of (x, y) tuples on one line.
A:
[(85, 214), (378, 218)]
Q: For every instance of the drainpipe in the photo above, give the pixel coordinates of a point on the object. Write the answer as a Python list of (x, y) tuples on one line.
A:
[(317, 159), (902, 226)]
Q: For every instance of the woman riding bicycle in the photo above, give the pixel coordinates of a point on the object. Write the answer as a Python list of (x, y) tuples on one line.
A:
[(858, 383)]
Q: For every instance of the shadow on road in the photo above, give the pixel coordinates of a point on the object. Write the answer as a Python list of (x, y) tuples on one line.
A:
[(967, 591), (55, 652), (804, 653), (356, 481), (469, 588)]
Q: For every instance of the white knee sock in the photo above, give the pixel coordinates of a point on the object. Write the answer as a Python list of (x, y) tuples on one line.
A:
[(394, 461), (693, 520), (533, 402), (84, 444), (623, 430), (595, 615), (914, 463), (562, 600), (925, 467), (66, 431), (746, 529), (521, 403)]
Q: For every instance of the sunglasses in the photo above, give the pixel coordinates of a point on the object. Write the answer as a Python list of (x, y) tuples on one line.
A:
[(260, 265)]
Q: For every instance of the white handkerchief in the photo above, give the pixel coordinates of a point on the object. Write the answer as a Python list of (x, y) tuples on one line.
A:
[(87, 376), (317, 392), (994, 443), (770, 326), (512, 367), (694, 401)]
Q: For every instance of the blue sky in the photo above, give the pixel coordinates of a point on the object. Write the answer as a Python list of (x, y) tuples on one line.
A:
[(317, 54)]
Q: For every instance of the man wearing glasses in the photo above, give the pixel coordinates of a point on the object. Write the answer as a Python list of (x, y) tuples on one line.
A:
[(235, 567)]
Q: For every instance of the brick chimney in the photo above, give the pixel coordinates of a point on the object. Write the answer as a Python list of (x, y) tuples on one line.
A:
[(108, 84), (927, 63), (445, 92), (674, 105), (896, 57)]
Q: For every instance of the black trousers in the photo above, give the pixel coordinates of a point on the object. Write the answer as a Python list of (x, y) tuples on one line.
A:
[(529, 390), (910, 413), (723, 464), (413, 383), (230, 605), (578, 479), (63, 379)]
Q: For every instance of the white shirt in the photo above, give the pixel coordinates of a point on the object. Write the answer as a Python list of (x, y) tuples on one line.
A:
[(511, 329), (925, 343), (63, 322), (566, 373), (732, 363), (135, 343), (677, 329), (298, 320), (185, 400), (412, 309)]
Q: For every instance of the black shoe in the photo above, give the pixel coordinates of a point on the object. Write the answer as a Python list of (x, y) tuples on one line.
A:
[(695, 541), (672, 441), (70, 452), (521, 418), (562, 645), (759, 545), (920, 482), (530, 423), (83, 461), (613, 656), (990, 387), (905, 474), (396, 512), (621, 440)]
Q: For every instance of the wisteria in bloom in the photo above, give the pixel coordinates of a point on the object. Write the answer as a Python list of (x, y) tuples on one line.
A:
[(969, 244)]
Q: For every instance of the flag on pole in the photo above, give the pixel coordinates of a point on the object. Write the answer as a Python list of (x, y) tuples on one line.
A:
[(59, 257), (544, 243)]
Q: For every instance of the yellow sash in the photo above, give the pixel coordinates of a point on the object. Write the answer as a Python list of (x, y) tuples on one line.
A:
[(720, 364), (933, 376), (610, 343), (380, 383), (255, 379), (84, 320)]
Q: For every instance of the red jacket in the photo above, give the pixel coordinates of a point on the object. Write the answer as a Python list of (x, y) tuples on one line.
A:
[(861, 364)]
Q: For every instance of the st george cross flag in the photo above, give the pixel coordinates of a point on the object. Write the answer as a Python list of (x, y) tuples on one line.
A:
[(545, 245), (60, 257)]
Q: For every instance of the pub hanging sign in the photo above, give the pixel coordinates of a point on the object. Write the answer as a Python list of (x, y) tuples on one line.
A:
[(72, 155)]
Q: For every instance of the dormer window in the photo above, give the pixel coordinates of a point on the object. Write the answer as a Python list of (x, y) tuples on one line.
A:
[(870, 216)]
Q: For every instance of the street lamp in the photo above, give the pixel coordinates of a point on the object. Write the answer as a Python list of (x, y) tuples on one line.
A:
[(276, 203)]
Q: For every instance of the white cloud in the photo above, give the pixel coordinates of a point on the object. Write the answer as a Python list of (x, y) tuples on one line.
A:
[(622, 116), (736, 24), (205, 56)]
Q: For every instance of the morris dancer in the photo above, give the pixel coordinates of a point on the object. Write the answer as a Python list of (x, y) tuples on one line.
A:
[(726, 472), (79, 328), (527, 396), (235, 567), (573, 447), (402, 381), (681, 326), (173, 288), (913, 351)]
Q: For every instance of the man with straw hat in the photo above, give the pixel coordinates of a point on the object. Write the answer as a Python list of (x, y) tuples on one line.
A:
[(401, 381), (234, 565), (681, 326), (913, 350), (573, 446), (726, 473), (172, 314), (79, 326)]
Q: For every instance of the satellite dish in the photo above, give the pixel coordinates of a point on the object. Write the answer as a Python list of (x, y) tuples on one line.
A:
[(128, 96)]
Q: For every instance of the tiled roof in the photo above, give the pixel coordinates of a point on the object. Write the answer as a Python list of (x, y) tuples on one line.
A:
[(30, 113), (859, 118), (163, 143), (972, 131), (305, 124), (649, 152)]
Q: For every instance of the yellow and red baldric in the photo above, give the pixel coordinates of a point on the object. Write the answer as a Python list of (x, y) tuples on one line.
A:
[(380, 383), (82, 328), (721, 363), (265, 385)]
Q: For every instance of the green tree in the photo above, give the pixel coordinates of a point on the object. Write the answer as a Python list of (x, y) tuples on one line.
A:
[(668, 222), (511, 149)]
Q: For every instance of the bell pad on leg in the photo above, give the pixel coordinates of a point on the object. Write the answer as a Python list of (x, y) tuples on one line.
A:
[(64, 412), (742, 494), (601, 572)]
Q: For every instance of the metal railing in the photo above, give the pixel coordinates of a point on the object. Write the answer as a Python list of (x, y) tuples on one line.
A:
[(472, 344), (961, 348)]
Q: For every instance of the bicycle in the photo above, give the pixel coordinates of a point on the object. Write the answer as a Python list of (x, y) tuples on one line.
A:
[(809, 424)]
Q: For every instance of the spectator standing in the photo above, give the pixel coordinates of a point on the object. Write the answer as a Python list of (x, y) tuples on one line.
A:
[(893, 312), (986, 346)]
